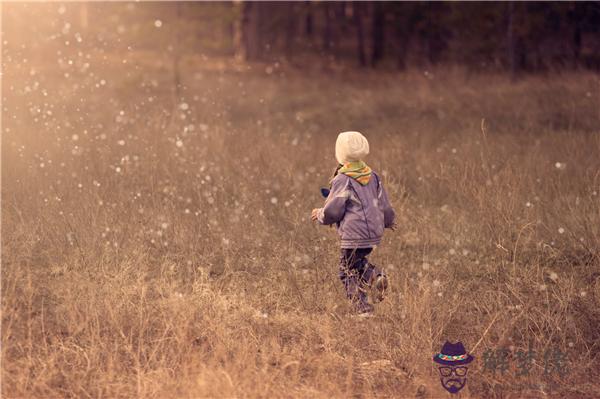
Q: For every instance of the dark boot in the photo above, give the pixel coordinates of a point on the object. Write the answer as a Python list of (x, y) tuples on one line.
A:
[(376, 279), (380, 285)]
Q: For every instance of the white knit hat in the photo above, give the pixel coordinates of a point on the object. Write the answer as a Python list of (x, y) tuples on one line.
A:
[(351, 146)]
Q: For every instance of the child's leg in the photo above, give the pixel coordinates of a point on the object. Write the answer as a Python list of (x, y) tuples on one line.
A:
[(370, 273), (351, 268), (372, 276)]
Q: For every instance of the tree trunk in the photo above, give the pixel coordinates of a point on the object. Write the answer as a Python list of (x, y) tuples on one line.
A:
[(378, 33), (308, 22), (251, 37), (327, 28), (510, 38), (290, 30), (576, 45), (360, 36), (238, 34), (434, 37), (338, 27), (403, 17)]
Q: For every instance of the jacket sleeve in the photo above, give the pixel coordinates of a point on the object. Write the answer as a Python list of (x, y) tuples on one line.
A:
[(335, 204), (388, 212)]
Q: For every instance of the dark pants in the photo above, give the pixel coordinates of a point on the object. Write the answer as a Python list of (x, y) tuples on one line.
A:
[(357, 273)]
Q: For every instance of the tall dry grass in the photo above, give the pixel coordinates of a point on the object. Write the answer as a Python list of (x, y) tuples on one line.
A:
[(156, 249)]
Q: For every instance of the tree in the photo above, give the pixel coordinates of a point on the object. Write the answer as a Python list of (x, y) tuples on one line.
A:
[(378, 33), (404, 24), (308, 20), (510, 40), (358, 11), (290, 30), (327, 35), (251, 32)]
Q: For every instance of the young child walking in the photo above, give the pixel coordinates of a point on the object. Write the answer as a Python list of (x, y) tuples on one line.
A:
[(358, 204)]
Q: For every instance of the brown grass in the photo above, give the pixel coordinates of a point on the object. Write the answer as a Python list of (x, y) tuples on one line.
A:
[(177, 275)]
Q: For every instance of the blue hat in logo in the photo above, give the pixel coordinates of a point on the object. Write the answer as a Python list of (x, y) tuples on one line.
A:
[(453, 355)]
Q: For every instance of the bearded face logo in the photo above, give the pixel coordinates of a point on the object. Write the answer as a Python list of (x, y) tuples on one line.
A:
[(452, 361), (453, 378)]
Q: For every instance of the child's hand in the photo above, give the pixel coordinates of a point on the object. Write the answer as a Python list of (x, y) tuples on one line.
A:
[(394, 226), (314, 213)]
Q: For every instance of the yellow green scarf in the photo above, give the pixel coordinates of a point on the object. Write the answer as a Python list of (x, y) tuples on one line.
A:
[(358, 170)]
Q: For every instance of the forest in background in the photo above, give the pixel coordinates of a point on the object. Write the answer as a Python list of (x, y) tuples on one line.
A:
[(514, 35), (509, 36)]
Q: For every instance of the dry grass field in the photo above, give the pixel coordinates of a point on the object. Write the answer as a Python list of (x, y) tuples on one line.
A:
[(161, 247)]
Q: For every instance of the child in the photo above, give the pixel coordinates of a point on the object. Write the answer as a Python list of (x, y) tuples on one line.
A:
[(358, 205)]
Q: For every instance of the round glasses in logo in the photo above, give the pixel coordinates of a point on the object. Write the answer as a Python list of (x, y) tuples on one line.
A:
[(448, 371)]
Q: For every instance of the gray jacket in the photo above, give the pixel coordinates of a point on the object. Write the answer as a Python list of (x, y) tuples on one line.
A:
[(360, 212)]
